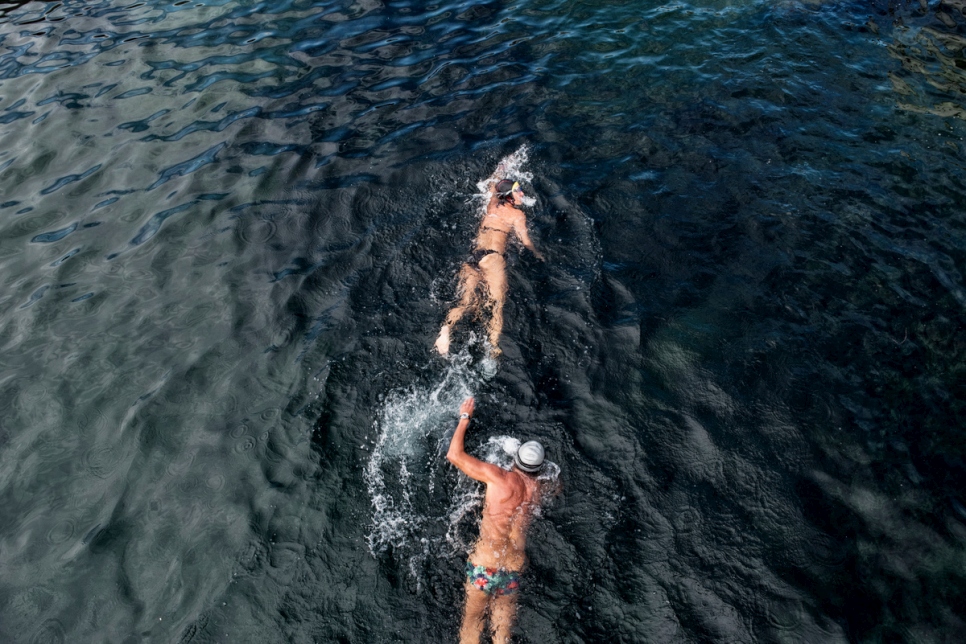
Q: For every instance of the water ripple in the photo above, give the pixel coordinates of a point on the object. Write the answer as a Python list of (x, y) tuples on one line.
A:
[(227, 228)]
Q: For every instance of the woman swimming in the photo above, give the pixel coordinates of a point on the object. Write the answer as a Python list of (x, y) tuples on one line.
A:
[(485, 271)]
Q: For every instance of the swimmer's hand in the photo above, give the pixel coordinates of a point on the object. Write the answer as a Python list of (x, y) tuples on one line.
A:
[(467, 407), (539, 255)]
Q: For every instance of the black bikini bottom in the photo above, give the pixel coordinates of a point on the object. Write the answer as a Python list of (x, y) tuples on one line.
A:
[(479, 254)]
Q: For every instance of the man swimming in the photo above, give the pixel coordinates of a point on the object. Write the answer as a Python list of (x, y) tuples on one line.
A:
[(493, 567), (486, 268)]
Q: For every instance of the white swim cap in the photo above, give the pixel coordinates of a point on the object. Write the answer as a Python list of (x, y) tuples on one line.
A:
[(529, 457)]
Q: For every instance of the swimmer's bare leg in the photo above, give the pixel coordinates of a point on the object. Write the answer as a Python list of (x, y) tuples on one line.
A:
[(469, 282), (493, 267), (476, 602), (503, 612)]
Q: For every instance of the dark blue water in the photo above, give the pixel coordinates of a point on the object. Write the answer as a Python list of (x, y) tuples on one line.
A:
[(229, 232)]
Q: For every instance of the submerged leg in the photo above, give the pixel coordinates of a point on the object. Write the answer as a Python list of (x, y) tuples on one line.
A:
[(469, 282), (476, 602), (493, 267), (503, 612)]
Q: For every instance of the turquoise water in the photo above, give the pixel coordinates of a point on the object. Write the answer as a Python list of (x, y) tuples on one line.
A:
[(229, 232)]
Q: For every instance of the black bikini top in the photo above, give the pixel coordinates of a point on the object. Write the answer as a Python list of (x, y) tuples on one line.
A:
[(499, 230)]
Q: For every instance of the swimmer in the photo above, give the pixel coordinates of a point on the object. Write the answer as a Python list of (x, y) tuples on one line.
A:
[(486, 269), (494, 565)]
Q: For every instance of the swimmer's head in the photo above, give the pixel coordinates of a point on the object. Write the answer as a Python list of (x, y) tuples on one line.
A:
[(508, 190), (529, 457)]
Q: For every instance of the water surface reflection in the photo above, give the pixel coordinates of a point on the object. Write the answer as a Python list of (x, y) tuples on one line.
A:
[(228, 231)]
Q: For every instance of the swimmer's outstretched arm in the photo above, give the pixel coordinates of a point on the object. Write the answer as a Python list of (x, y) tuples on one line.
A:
[(520, 229), (472, 467)]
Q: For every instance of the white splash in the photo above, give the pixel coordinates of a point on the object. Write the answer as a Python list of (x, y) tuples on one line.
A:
[(411, 428)]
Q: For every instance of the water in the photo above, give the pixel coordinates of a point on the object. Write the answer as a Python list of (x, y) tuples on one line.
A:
[(229, 232)]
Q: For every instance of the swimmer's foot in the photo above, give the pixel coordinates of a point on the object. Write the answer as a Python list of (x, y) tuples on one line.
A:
[(442, 342)]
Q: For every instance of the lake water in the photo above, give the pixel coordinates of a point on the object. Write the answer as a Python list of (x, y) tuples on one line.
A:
[(229, 232)]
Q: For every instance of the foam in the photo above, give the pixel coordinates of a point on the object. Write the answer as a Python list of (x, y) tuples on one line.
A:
[(408, 423)]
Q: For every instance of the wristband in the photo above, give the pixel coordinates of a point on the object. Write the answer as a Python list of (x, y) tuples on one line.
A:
[(464, 415)]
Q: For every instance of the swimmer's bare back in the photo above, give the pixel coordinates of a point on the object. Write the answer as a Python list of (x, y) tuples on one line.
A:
[(504, 218)]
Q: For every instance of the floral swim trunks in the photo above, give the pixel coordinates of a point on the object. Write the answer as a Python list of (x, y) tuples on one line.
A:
[(493, 581)]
